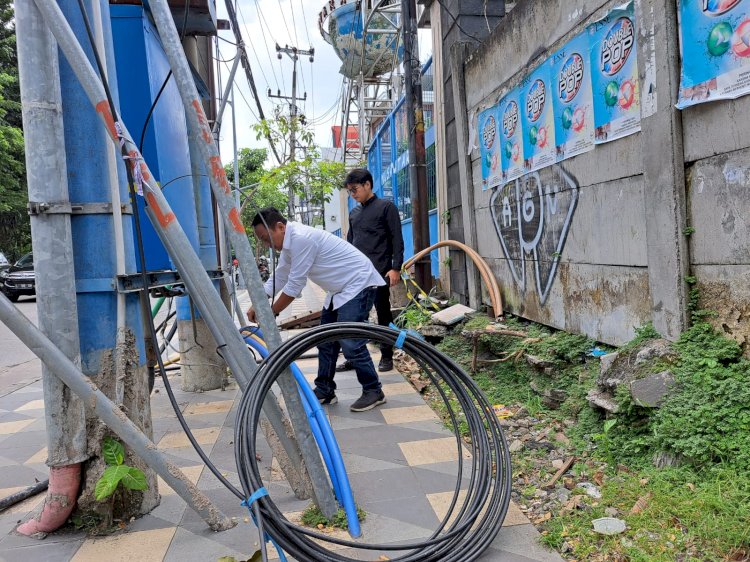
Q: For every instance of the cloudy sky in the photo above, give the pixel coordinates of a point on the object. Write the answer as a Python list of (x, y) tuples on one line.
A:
[(294, 22)]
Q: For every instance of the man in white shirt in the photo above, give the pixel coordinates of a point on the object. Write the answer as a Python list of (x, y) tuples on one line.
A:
[(350, 281)]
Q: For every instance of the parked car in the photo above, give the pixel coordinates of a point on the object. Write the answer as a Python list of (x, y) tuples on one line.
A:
[(18, 279), (4, 263)]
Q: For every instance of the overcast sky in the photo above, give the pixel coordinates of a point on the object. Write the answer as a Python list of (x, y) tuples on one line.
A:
[(294, 22)]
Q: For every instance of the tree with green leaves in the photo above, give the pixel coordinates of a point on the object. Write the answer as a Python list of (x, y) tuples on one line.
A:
[(256, 194), (15, 237), (309, 180)]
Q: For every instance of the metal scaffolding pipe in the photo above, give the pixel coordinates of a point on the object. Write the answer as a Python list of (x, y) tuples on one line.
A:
[(53, 251), (236, 232), (106, 410), (201, 289)]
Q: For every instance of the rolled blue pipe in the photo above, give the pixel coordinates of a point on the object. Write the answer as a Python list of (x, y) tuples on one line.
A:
[(310, 413), (324, 437)]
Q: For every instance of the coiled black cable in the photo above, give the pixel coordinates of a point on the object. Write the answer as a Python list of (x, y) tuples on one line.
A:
[(473, 524)]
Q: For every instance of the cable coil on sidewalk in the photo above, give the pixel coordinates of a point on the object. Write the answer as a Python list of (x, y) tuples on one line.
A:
[(482, 492)]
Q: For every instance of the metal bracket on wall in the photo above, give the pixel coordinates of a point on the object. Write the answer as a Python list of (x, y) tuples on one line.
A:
[(65, 208), (157, 279)]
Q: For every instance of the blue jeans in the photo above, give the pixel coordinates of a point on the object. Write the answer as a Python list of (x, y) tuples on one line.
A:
[(356, 310)]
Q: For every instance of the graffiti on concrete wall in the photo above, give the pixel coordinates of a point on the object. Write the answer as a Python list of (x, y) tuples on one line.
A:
[(532, 216)]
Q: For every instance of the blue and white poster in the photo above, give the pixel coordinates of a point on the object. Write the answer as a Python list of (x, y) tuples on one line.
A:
[(489, 138), (538, 120), (614, 75), (509, 111), (715, 49), (573, 101)]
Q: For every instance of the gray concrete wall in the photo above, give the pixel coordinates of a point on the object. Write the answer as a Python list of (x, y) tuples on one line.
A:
[(612, 254)]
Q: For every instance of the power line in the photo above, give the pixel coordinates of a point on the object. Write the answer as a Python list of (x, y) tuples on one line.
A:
[(283, 17), (265, 40), (262, 20), (248, 71)]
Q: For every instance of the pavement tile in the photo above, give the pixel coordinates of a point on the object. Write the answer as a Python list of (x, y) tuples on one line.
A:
[(39, 457), (350, 439), (431, 451), (415, 510), (378, 485), (12, 427), (218, 407), (178, 439), (359, 463), (144, 546), (190, 546), (408, 414), (43, 551), (22, 443), (394, 389), (24, 507), (521, 540), (515, 516), (32, 405), (192, 473), (389, 452), (19, 475)]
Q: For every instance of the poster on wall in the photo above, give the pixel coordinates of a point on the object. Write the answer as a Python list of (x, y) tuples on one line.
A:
[(538, 120), (489, 138), (573, 103), (614, 75), (509, 112), (715, 49)]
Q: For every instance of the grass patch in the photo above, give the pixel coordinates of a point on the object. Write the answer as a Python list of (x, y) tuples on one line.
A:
[(689, 515), (313, 517)]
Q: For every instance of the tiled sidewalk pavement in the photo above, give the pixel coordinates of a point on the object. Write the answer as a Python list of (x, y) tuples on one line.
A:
[(401, 464)]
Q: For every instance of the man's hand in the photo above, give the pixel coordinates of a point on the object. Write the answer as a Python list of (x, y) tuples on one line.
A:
[(393, 276), (251, 316)]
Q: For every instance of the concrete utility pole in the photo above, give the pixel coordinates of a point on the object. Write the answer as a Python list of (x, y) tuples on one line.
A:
[(293, 53), (415, 123)]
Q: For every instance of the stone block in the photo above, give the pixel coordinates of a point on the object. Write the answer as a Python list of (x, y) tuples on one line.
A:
[(650, 391)]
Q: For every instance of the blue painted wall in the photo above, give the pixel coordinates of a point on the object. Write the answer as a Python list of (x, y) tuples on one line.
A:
[(86, 149)]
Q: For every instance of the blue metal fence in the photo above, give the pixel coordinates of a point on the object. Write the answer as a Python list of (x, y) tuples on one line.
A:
[(388, 161)]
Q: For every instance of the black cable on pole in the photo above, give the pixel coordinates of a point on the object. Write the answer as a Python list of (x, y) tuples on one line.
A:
[(474, 522), (248, 71)]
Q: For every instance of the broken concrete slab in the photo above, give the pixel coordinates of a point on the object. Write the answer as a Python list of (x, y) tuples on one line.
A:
[(602, 400), (451, 315), (650, 391)]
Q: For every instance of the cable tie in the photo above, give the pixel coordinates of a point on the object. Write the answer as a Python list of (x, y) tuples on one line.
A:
[(402, 334), (256, 495)]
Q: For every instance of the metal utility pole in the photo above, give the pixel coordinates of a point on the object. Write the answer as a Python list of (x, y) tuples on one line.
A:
[(293, 53), (415, 123)]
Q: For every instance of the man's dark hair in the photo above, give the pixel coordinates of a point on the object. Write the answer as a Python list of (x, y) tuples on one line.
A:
[(358, 176), (270, 216)]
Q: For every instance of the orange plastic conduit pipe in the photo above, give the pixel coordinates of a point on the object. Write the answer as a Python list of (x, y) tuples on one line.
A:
[(484, 270)]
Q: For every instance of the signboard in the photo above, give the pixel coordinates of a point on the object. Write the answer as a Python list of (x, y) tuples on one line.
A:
[(614, 73), (511, 137), (573, 103), (489, 139), (715, 49), (538, 120)]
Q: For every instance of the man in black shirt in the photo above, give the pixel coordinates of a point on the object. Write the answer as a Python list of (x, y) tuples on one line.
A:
[(375, 230)]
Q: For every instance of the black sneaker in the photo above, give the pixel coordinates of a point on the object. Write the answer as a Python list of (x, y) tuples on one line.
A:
[(345, 366), (385, 365), (368, 400), (325, 398)]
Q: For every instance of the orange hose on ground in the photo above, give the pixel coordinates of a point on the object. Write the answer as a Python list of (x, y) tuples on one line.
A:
[(484, 270)]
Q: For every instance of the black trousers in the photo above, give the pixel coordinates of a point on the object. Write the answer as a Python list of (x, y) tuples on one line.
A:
[(385, 316)]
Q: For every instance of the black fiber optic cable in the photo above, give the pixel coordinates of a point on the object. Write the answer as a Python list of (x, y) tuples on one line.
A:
[(475, 522)]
